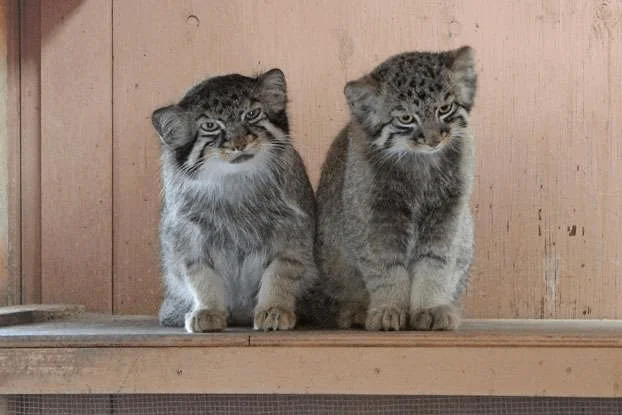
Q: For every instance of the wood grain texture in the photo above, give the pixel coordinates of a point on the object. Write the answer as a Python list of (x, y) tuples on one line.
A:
[(76, 149), (136, 187), (587, 372), (30, 112), (10, 258), (546, 117)]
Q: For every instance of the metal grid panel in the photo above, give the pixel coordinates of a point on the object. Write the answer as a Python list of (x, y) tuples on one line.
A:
[(304, 405)]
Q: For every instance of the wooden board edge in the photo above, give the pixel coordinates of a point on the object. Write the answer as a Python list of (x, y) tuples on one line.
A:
[(26, 314), (429, 340), (383, 370), (197, 341)]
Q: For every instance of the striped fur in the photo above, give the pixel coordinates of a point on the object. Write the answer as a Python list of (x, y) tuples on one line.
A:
[(238, 214), (395, 234)]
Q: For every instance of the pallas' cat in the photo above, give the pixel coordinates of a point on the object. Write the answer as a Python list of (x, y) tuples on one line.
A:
[(238, 215), (395, 232)]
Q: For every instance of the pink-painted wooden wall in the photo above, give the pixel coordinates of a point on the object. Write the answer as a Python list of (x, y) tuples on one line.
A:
[(548, 118)]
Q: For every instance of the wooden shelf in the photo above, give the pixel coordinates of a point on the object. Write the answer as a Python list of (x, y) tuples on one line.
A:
[(132, 354), (97, 330)]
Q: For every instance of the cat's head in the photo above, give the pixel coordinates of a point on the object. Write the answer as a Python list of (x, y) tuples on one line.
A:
[(226, 124), (416, 102)]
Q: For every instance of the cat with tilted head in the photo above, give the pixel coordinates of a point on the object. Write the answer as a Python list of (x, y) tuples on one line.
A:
[(238, 212), (395, 232)]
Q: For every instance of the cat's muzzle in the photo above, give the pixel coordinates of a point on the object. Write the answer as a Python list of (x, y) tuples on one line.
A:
[(241, 157)]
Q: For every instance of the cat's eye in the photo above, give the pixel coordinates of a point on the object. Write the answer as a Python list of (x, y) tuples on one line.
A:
[(210, 126), (252, 114), (406, 119), (445, 109)]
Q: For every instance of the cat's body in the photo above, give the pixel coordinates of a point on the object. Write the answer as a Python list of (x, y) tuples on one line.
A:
[(395, 233), (238, 213)]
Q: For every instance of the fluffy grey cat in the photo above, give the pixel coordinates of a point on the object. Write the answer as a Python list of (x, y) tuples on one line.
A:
[(395, 233), (238, 212)]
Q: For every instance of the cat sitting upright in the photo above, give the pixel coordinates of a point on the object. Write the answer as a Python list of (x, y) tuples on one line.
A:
[(395, 232), (238, 213)]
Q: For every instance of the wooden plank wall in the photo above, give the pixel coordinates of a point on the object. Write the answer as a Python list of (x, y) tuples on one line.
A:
[(76, 153), (547, 118)]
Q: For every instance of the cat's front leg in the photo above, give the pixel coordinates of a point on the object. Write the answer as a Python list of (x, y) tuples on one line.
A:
[(388, 288), (209, 311), (276, 300), (432, 294), (381, 264)]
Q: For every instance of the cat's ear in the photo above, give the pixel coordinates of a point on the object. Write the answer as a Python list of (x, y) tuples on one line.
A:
[(362, 96), (272, 90), (461, 62), (170, 124)]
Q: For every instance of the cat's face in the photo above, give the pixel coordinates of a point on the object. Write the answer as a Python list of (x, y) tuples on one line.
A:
[(415, 102), (226, 124)]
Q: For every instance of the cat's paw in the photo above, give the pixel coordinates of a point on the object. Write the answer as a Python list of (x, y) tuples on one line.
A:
[(349, 317), (203, 320), (443, 317), (386, 318), (274, 318)]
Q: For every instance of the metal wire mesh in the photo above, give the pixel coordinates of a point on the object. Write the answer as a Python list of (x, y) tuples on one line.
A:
[(302, 405)]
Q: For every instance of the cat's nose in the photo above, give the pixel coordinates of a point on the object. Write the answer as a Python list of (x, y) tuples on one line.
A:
[(434, 139), (437, 137), (240, 142)]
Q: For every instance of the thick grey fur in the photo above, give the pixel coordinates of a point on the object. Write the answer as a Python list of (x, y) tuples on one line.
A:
[(236, 237), (395, 232)]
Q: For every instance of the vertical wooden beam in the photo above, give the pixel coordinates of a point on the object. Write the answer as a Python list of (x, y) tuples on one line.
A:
[(76, 153), (30, 34), (9, 159), (9, 154)]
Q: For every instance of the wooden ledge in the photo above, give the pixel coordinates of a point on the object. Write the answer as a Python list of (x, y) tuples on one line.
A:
[(121, 354), (96, 330)]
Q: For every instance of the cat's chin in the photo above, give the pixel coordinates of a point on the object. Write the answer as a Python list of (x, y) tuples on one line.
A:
[(243, 164)]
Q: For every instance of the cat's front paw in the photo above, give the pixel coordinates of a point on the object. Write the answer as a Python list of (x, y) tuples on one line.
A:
[(443, 317), (385, 318), (199, 321), (274, 318)]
